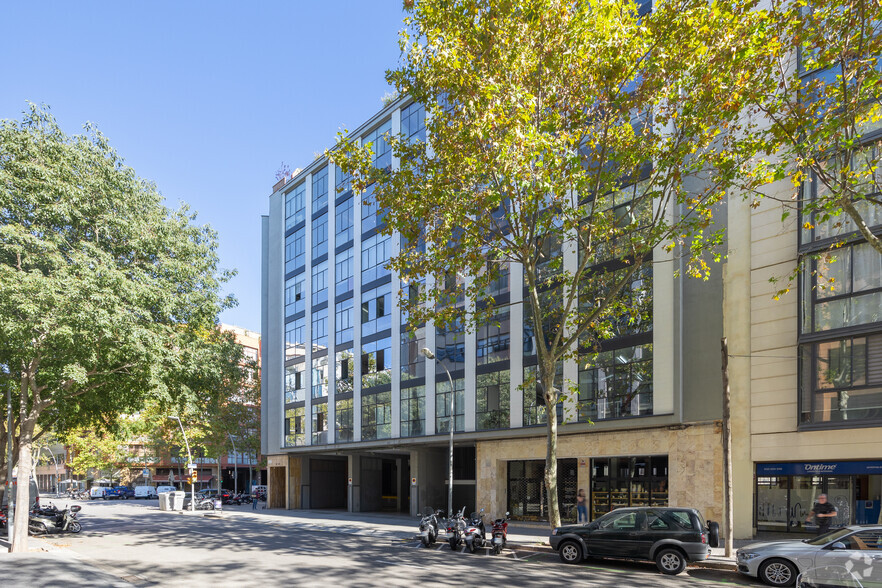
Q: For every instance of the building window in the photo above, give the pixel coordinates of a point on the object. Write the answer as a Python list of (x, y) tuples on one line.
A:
[(635, 300), (615, 384), (413, 411), (526, 489), (375, 252), (443, 393), (618, 482), (344, 221), (493, 394), (376, 416), (380, 146), (343, 322), (413, 122), (295, 338), (842, 288), (295, 434), (376, 363), (320, 236), (450, 348), (319, 423), (413, 363), (345, 370), (534, 398), (320, 189), (372, 216), (319, 330), (343, 271), (295, 383), (295, 206), (320, 377), (376, 310), (494, 339), (841, 381), (319, 283), (343, 419), (295, 250), (344, 181), (295, 295)]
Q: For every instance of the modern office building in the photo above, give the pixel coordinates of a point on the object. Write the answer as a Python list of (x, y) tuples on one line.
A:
[(355, 417)]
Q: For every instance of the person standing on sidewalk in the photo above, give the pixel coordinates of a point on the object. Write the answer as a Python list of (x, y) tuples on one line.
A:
[(581, 507), (824, 512), (254, 501)]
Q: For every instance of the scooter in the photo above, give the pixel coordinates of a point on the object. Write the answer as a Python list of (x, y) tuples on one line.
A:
[(499, 534), (429, 526), (456, 528), (51, 521), (476, 532)]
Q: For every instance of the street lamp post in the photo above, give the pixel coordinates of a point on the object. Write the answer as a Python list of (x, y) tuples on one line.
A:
[(10, 495), (452, 424), (189, 463), (235, 465)]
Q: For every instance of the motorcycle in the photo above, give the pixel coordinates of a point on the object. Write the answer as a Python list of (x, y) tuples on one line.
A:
[(476, 532), (499, 534), (429, 526), (51, 521), (456, 529)]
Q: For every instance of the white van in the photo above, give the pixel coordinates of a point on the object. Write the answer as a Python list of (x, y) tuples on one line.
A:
[(97, 492), (145, 492), (164, 489)]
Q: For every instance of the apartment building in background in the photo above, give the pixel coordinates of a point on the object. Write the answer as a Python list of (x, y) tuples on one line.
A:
[(355, 417)]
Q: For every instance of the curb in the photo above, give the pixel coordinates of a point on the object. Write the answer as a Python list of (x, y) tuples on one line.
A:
[(715, 565)]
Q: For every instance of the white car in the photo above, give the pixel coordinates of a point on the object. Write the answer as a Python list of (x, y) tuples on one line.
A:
[(851, 556), (164, 489), (145, 492)]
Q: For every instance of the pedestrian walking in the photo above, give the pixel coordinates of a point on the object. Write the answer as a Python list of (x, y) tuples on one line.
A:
[(823, 512), (581, 507), (254, 501)]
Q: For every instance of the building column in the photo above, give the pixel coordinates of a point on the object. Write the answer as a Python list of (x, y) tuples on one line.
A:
[(354, 490), (516, 348)]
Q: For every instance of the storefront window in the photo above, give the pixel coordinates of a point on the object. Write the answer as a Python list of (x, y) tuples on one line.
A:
[(527, 494), (618, 482)]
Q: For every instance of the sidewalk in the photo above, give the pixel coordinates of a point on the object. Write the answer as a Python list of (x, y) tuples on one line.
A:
[(48, 565)]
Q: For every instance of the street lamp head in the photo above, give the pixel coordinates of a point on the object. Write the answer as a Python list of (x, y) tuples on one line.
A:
[(174, 418), (427, 353)]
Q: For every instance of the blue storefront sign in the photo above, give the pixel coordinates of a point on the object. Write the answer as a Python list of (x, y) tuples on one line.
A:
[(819, 468)]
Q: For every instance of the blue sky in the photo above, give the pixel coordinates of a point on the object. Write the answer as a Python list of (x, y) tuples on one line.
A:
[(205, 98)]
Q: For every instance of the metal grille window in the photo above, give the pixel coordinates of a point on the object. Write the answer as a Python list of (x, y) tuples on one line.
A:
[(492, 397), (442, 405), (527, 497), (413, 411), (343, 418), (376, 416)]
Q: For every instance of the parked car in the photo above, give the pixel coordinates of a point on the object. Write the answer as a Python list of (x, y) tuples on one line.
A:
[(669, 536), (96, 492), (164, 489), (836, 558), (145, 492), (119, 492)]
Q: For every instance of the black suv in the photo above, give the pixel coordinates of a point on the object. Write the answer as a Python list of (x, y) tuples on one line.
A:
[(666, 535)]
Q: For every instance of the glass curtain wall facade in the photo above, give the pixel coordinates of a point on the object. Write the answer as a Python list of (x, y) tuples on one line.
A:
[(343, 323)]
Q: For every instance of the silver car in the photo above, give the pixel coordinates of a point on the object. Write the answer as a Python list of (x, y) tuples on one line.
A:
[(851, 556)]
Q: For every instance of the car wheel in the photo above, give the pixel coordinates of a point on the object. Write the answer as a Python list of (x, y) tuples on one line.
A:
[(778, 572), (670, 561), (570, 552)]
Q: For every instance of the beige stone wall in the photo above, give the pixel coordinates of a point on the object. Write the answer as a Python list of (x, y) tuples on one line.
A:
[(694, 462)]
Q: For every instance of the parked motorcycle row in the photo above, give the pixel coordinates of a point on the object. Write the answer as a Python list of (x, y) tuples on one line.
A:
[(49, 520), (468, 530)]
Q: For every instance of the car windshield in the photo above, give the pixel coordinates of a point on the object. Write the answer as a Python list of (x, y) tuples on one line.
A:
[(828, 537)]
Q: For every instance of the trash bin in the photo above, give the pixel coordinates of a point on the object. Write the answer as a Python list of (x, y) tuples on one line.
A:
[(164, 501), (178, 500)]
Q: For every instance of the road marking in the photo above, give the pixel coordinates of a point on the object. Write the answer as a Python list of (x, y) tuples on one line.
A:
[(529, 556)]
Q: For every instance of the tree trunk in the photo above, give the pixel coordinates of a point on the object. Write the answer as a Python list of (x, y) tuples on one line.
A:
[(551, 397), (727, 455), (23, 491)]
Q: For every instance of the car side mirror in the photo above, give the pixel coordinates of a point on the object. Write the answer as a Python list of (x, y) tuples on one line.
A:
[(838, 545)]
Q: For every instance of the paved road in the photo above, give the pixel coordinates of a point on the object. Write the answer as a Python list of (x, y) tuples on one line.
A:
[(137, 543)]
